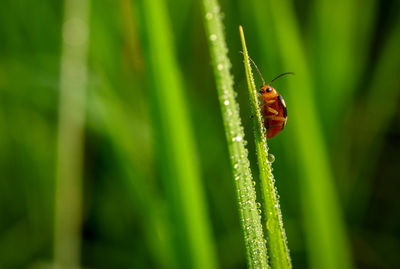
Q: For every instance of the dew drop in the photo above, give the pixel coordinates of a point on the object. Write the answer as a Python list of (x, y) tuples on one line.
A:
[(271, 158), (269, 225), (237, 138), (220, 67), (209, 16), (213, 37), (226, 102)]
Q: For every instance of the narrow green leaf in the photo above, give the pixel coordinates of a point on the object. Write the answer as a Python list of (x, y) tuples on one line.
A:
[(250, 218), (328, 246), (372, 123), (175, 142), (71, 120), (277, 246)]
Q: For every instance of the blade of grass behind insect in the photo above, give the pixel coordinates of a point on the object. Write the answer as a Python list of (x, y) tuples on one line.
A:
[(68, 187), (116, 100), (332, 46), (175, 143), (277, 241), (110, 114), (339, 49), (372, 123), (325, 230), (264, 32), (366, 21), (246, 195)]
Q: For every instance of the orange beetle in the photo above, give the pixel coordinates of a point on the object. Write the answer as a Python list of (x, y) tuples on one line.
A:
[(273, 107)]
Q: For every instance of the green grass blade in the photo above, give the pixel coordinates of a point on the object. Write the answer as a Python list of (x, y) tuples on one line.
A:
[(68, 193), (250, 219), (332, 47), (371, 122), (339, 50), (175, 143), (109, 114), (277, 241), (325, 229)]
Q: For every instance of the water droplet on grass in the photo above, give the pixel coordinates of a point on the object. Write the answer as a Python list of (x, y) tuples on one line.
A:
[(209, 16), (237, 138), (271, 158)]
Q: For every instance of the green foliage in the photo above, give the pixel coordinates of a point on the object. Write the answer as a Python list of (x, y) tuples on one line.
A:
[(152, 153)]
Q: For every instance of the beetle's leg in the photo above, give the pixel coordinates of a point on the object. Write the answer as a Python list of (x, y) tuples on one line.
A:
[(276, 118), (267, 103), (270, 109)]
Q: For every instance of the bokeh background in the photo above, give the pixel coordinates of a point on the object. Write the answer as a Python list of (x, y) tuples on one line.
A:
[(77, 105)]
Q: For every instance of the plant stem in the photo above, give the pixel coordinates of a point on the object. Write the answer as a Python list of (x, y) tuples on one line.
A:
[(250, 218), (277, 241)]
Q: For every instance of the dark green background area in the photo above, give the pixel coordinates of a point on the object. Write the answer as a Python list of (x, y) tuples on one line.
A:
[(352, 51)]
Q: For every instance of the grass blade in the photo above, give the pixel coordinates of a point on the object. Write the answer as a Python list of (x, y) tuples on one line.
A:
[(109, 114), (371, 123), (331, 74), (250, 219), (325, 229), (338, 72), (68, 192), (277, 246), (175, 143)]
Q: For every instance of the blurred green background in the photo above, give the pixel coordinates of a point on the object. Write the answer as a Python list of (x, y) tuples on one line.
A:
[(351, 55)]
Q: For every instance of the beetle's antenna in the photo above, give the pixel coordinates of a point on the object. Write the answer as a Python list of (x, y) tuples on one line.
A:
[(281, 75), (255, 67)]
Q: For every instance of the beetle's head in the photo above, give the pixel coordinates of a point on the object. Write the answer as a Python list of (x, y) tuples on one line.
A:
[(267, 90)]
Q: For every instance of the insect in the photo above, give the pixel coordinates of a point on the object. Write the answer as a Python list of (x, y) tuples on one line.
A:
[(273, 108)]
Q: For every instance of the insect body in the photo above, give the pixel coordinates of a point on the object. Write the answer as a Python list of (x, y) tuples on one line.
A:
[(273, 106), (274, 110)]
